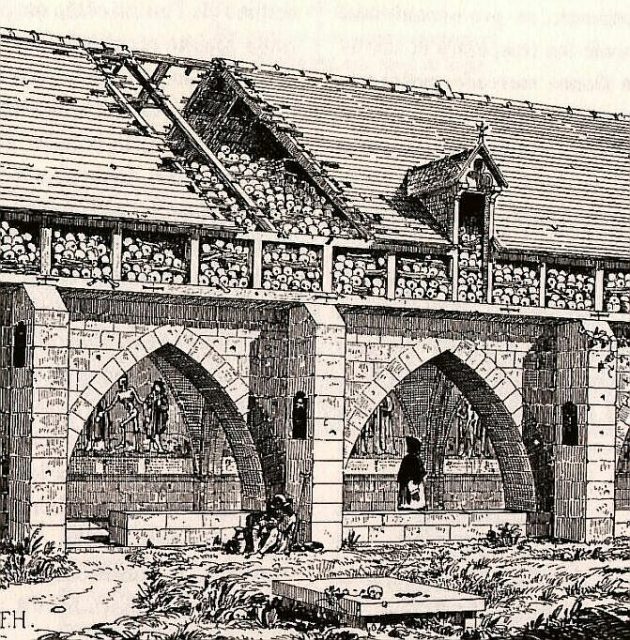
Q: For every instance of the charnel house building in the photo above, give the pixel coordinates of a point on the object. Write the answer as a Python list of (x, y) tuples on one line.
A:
[(221, 281)]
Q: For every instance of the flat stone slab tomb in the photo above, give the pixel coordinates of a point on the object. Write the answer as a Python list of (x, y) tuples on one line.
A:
[(364, 601)]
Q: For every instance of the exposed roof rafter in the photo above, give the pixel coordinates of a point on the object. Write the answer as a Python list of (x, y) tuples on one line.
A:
[(156, 78), (172, 113)]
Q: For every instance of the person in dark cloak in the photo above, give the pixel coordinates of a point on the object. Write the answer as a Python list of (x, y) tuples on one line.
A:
[(411, 475)]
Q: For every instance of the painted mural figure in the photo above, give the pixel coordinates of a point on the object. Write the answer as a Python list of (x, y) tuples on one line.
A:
[(156, 415), (385, 428), (127, 397), (377, 437), (98, 428), (467, 421), (411, 475)]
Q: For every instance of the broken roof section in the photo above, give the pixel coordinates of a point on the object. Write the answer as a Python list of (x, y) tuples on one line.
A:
[(69, 147), (569, 170)]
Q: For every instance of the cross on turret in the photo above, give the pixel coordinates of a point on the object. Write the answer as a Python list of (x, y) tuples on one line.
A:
[(482, 128)]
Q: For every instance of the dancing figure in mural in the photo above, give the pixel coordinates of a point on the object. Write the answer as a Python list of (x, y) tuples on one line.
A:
[(465, 419), (127, 397), (411, 475), (156, 415), (98, 429)]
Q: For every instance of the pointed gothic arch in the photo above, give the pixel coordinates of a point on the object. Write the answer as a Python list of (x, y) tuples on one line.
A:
[(210, 373), (486, 385)]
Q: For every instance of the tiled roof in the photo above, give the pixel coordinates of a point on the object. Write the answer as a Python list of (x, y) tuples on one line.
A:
[(65, 146), (568, 170), (439, 173)]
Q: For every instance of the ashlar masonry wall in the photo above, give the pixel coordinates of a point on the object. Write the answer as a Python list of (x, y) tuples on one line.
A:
[(38, 422), (383, 352), (253, 360)]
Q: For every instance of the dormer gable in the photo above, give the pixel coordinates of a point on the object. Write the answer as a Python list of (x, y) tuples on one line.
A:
[(470, 169)]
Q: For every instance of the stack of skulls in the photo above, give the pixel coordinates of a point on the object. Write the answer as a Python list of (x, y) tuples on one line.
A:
[(360, 274), (224, 264), (291, 268), (423, 279), (80, 255), (617, 292), (160, 261), (19, 250), (566, 289), (217, 196), (470, 285), (516, 284), (291, 204)]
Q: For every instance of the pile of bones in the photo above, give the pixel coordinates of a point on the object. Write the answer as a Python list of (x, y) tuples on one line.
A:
[(423, 278), (360, 274), (154, 260), (617, 292), (225, 264), (516, 284), (567, 289), (78, 254), (289, 202), (289, 267), (470, 282), (19, 250)]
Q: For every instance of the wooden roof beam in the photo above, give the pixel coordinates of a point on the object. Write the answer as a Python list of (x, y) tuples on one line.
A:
[(154, 58), (144, 126), (156, 78)]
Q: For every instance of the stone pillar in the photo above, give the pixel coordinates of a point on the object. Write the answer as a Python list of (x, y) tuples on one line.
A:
[(317, 338), (39, 417), (586, 370)]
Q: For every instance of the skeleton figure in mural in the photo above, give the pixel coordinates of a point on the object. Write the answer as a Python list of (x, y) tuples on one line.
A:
[(127, 397), (98, 429), (411, 475), (156, 415)]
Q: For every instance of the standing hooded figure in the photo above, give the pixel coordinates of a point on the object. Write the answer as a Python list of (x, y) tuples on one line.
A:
[(411, 477), (156, 404)]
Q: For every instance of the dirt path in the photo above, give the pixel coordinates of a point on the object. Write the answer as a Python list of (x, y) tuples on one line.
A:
[(102, 591)]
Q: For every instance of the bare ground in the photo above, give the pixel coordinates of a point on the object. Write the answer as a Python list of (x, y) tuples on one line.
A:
[(101, 591)]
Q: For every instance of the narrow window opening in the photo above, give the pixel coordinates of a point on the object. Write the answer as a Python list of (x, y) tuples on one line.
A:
[(570, 435), (299, 416), (19, 345)]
